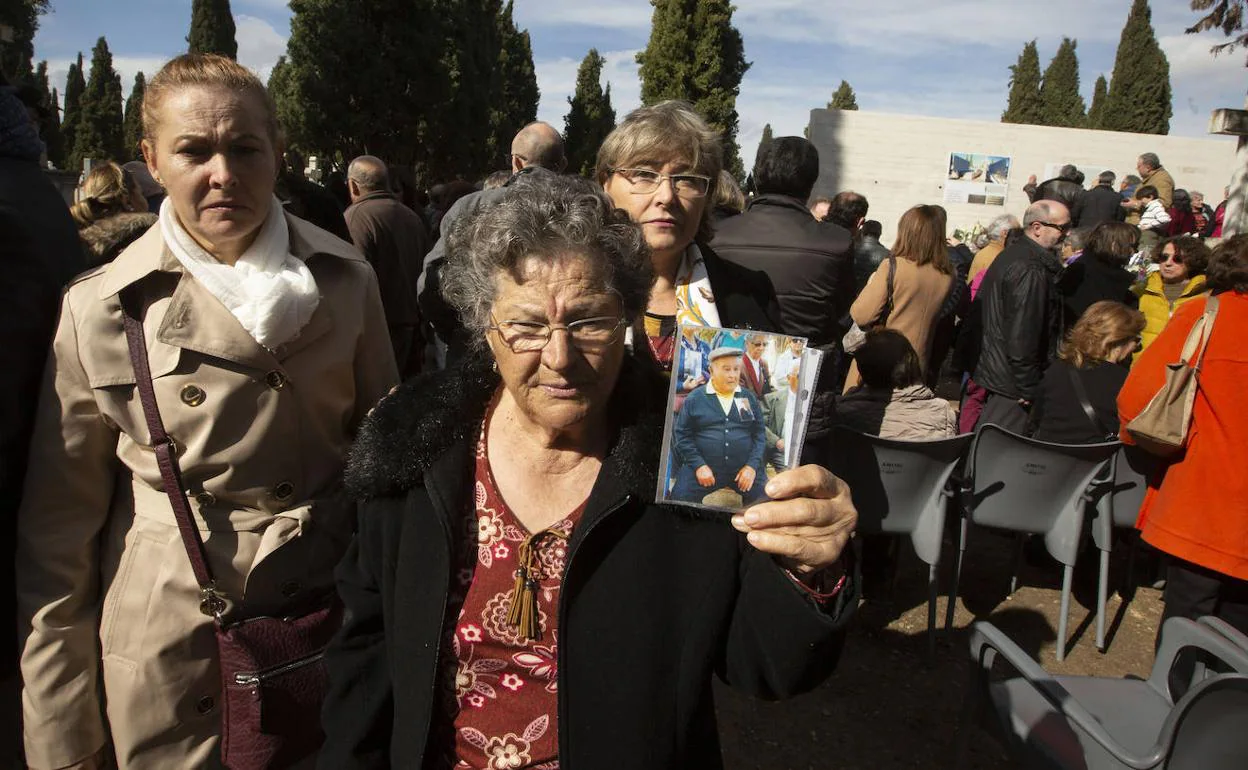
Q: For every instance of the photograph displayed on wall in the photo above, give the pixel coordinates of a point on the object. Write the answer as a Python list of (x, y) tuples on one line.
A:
[(737, 413), (977, 178)]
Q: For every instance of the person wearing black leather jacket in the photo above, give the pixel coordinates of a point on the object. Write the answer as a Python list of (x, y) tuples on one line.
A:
[(1020, 314)]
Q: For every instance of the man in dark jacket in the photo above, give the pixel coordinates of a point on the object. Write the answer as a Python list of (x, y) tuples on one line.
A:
[(394, 240), (1066, 188), (1019, 313), (869, 253), (1100, 204)]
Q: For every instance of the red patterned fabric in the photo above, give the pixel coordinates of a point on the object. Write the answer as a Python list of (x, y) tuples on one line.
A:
[(500, 686)]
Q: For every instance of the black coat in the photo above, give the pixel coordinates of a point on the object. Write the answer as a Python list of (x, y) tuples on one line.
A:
[(656, 599), (1089, 280), (1100, 204), (1019, 318), (810, 263), (1057, 189), (1058, 415)]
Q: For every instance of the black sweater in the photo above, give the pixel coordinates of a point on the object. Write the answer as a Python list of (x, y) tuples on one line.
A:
[(1058, 415)]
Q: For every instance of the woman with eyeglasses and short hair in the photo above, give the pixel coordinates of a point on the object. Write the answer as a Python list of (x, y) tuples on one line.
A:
[(514, 598), (1178, 279), (1078, 397)]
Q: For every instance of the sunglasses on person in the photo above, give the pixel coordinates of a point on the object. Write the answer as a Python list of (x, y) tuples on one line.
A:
[(1176, 258), (1062, 228)]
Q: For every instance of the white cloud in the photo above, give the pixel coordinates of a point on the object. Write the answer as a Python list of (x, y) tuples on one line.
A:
[(611, 14), (556, 78), (259, 44)]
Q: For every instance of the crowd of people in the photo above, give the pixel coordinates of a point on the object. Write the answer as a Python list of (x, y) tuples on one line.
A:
[(443, 414)]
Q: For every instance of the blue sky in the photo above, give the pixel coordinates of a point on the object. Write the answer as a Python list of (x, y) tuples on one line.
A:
[(920, 57)]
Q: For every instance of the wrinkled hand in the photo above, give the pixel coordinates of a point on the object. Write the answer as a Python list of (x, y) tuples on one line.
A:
[(705, 477), (807, 523), (745, 479), (1031, 179)]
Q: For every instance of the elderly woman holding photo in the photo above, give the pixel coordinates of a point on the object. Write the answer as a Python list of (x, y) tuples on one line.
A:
[(514, 597), (267, 344)]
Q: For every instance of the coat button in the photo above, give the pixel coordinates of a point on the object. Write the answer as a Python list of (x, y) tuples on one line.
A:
[(206, 499), (290, 588), (275, 380), (205, 704), (192, 395), (284, 491)]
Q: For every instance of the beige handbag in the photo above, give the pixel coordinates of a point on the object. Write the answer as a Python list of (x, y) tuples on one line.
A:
[(1161, 428)]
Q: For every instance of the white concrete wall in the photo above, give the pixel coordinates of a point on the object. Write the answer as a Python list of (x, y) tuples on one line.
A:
[(898, 161)]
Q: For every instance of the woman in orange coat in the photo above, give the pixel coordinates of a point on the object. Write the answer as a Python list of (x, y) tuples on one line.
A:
[(1196, 509)]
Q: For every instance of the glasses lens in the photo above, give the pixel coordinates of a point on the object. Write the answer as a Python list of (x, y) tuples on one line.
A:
[(691, 186), (643, 181), (523, 337)]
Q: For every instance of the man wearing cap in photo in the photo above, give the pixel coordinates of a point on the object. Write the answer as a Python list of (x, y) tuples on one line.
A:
[(719, 436)]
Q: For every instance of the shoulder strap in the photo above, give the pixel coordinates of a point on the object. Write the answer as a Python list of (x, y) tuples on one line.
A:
[(166, 457), (1081, 393), (888, 300), (1198, 337)]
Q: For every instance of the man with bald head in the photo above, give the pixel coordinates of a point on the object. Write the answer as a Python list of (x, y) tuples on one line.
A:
[(394, 240), (1018, 312), (538, 144)]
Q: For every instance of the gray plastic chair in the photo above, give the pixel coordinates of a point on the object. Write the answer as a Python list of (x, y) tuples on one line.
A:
[(1028, 486), (1120, 497), (902, 488), (1093, 723)]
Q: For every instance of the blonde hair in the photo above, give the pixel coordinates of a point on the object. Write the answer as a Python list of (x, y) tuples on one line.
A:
[(205, 71), (107, 190), (662, 133), (1103, 326)]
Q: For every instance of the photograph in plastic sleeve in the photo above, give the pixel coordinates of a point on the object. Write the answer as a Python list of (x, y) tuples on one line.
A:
[(737, 412)]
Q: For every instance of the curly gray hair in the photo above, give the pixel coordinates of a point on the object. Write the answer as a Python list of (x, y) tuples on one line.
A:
[(546, 217)]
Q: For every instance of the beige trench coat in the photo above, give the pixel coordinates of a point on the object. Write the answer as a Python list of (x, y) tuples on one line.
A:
[(114, 646)]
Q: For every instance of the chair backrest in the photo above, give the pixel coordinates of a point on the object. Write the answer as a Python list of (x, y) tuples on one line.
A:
[(898, 486), (1025, 485), (1132, 466), (1209, 726)]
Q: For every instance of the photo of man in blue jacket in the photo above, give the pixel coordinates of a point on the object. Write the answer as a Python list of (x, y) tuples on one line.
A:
[(719, 436)]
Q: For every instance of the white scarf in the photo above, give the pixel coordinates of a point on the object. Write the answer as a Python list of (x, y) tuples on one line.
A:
[(695, 301), (270, 291)]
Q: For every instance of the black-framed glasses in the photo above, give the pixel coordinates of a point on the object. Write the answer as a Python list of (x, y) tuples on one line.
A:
[(587, 334), (646, 181), (1062, 228)]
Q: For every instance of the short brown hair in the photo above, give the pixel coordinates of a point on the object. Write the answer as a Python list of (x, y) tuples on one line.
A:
[(205, 70), (1112, 243), (1194, 252), (1228, 267), (921, 238), (728, 194), (1101, 327), (661, 133), (888, 360)]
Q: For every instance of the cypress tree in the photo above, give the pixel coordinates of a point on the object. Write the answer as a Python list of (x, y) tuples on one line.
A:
[(695, 53), (1061, 104), (1139, 97), (515, 105), (17, 55), (99, 132), (763, 142), (1025, 105), (212, 28), (50, 124), (75, 84), (844, 98), (1096, 113), (590, 115), (133, 123)]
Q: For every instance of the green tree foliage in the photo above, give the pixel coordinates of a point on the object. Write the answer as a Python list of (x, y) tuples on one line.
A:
[(590, 115), (50, 123), (1096, 113), (99, 134), (17, 57), (133, 122), (844, 98), (695, 53), (1025, 105), (212, 28), (764, 142), (1226, 16), (75, 84), (1139, 98), (1061, 104), (515, 104)]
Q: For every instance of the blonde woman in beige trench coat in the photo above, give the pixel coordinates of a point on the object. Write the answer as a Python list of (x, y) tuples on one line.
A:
[(118, 663)]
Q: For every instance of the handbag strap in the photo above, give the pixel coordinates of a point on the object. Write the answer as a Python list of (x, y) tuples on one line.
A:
[(887, 310), (1081, 393), (1198, 337), (211, 602)]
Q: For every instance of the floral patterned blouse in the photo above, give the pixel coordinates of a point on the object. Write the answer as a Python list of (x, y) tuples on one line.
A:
[(498, 684)]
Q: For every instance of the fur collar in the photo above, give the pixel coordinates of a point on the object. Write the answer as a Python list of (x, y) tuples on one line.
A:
[(425, 417)]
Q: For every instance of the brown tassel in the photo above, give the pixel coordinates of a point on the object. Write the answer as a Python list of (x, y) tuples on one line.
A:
[(523, 612)]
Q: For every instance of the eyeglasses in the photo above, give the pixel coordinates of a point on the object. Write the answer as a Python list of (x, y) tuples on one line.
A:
[(587, 334), (1176, 258), (1062, 228), (645, 181)]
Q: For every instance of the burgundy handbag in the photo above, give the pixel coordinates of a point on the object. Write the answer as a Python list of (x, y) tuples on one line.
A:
[(273, 674)]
